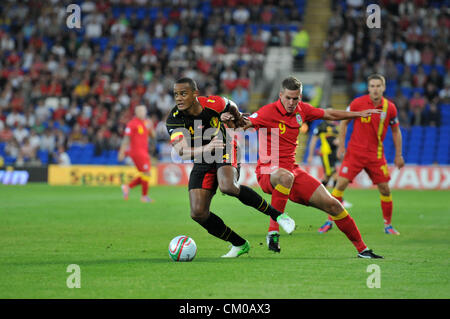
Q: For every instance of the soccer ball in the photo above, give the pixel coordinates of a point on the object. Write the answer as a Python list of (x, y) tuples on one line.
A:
[(182, 248)]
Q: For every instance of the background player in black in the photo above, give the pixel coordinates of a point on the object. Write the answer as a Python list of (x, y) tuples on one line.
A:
[(327, 132), (190, 120)]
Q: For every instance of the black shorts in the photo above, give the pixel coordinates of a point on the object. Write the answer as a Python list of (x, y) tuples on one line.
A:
[(205, 176)]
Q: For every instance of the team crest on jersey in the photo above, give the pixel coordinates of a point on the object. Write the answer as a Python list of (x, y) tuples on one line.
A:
[(214, 122), (383, 115), (299, 119), (140, 130), (254, 115)]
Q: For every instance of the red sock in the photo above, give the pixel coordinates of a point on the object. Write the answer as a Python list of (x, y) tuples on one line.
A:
[(145, 180), (280, 196), (386, 207), (347, 225), (135, 182), (144, 188)]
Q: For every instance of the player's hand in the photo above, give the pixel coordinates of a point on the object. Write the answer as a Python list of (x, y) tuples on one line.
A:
[(121, 156), (228, 119), (340, 152), (226, 116), (215, 143), (399, 161), (369, 112)]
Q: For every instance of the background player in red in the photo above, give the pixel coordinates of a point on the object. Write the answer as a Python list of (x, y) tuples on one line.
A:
[(281, 176), (365, 148), (135, 145)]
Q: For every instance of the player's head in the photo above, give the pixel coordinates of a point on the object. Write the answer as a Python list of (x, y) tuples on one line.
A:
[(376, 84), (185, 92), (291, 93), (141, 112)]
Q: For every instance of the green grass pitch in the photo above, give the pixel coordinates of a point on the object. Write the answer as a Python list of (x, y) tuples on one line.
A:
[(121, 247)]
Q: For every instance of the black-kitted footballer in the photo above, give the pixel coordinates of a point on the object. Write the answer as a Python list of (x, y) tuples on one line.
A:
[(197, 133)]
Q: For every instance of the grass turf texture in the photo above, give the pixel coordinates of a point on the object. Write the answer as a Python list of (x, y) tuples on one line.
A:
[(121, 247)]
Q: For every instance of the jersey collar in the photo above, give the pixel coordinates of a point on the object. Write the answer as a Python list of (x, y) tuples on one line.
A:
[(379, 105), (282, 110)]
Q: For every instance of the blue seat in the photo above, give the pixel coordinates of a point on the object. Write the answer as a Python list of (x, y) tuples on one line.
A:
[(153, 13), (141, 13), (427, 68), (400, 67), (407, 92), (441, 69)]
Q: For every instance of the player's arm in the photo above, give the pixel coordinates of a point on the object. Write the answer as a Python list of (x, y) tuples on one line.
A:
[(150, 127), (233, 117), (341, 138), (187, 152), (123, 147), (397, 138), (312, 147), (337, 115)]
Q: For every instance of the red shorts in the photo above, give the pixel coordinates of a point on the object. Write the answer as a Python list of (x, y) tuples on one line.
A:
[(354, 162), (142, 162), (302, 189)]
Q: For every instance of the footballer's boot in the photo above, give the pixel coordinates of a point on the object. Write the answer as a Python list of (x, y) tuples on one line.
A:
[(388, 229), (325, 227), (237, 251), (146, 199), (125, 191), (273, 241), (368, 254), (286, 222)]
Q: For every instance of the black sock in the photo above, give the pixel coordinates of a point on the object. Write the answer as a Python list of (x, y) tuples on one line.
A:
[(251, 198), (216, 227)]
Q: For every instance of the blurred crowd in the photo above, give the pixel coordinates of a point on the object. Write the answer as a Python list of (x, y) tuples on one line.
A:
[(410, 49), (60, 87)]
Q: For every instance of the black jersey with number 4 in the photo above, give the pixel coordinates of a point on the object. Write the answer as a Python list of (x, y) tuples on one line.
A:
[(204, 126)]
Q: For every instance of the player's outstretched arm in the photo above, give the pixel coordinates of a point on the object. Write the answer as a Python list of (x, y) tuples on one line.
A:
[(337, 115), (341, 138), (230, 121), (233, 118), (397, 138)]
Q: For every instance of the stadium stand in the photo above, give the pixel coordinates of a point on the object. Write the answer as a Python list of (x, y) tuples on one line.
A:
[(77, 88)]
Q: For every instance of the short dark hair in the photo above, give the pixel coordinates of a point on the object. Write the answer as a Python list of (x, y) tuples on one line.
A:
[(191, 82), (291, 83), (376, 76)]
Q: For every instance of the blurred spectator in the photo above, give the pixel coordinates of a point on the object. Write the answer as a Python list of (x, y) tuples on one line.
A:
[(62, 157), (417, 105), (432, 116), (48, 141), (20, 133), (241, 97), (300, 44), (12, 148), (444, 94)]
